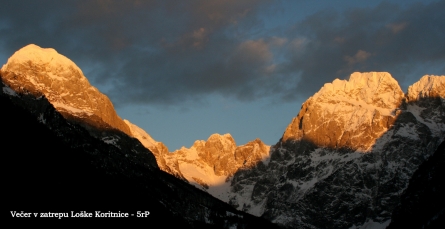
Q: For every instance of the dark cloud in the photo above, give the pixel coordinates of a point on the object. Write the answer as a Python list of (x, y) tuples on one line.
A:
[(171, 52), (385, 38)]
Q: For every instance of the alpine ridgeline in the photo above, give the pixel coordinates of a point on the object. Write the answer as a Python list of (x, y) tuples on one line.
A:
[(345, 160), (208, 165), (45, 72), (73, 151)]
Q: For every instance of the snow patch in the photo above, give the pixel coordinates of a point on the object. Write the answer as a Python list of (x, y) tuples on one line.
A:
[(257, 209), (407, 132), (370, 224), (111, 140), (71, 110), (41, 119), (9, 91)]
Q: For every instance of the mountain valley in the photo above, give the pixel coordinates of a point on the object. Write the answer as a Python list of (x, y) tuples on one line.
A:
[(344, 161)]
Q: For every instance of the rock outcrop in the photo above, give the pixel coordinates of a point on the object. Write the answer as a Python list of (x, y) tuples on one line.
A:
[(158, 149), (211, 163), (427, 87), (351, 114)]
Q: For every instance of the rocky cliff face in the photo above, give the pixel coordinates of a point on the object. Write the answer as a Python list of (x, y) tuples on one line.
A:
[(427, 87), (206, 164), (344, 161), (348, 114), (158, 149), (45, 72), (210, 164)]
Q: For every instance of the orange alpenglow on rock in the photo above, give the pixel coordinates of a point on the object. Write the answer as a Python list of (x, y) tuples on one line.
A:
[(43, 71), (348, 113), (209, 163), (427, 87)]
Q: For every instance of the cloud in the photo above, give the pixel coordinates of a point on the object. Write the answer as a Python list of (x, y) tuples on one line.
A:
[(384, 38), (359, 57), (176, 52), (397, 27)]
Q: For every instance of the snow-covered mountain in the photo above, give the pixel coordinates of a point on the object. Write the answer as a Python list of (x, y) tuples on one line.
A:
[(344, 161), (348, 114), (66, 145), (43, 71), (210, 164)]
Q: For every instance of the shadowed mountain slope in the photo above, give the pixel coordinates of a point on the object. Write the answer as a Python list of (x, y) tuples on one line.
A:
[(54, 164), (344, 161), (422, 203)]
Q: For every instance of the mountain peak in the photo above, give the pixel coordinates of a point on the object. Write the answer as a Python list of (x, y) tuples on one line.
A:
[(341, 111), (49, 58), (427, 86), (226, 140), (378, 89), (43, 71)]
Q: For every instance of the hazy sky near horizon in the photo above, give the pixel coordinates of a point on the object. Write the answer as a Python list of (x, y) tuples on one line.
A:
[(183, 70)]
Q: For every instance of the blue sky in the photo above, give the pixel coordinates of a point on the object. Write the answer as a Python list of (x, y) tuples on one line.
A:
[(183, 70)]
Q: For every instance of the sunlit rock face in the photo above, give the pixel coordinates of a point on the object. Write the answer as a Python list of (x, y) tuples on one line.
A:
[(208, 164), (158, 149), (426, 100), (348, 113), (218, 151), (344, 161), (45, 72), (212, 162), (427, 87)]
